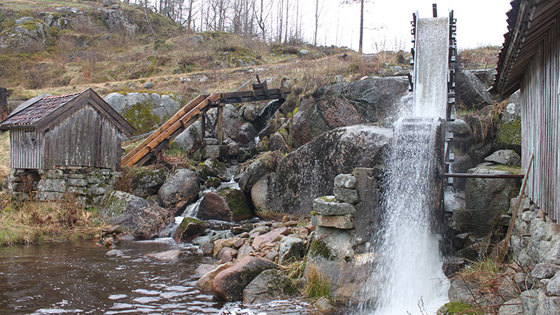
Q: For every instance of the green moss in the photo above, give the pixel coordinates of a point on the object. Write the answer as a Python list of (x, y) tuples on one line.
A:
[(237, 203), (319, 248), (140, 116), (510, 133), (452, 308), (31, 25), (507, 168), (328, 198)]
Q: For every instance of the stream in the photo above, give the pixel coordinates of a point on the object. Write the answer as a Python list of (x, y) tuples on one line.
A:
[(80, 278)]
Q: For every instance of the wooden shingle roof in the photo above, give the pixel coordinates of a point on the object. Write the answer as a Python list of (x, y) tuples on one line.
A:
[(529, 21), (47, 110)]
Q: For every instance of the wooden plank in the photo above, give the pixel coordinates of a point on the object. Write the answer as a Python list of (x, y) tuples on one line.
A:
[(185, 109), (171, 128)]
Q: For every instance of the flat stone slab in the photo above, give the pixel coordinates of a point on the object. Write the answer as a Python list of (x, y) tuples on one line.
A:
[(329, 206), (343, 222), (505, 157)]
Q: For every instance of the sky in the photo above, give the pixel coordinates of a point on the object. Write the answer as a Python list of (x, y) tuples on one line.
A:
[(387, 22)]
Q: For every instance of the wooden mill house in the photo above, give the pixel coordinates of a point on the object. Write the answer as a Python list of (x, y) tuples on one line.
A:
[(530, 61), (65, 144)]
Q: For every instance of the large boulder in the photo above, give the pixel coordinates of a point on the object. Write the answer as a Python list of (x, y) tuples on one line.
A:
[(471, 93), (189, 140), (270, 285), (26, 35), (145, 111), (374, 100), (486, 200), (229, 284), (309, 172), (260, 167), (508, 135), (142, 218), (182, 185), (227, 205), (146, 181)]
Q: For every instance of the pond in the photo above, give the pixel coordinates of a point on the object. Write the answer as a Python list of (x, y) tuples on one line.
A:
[(81, 278)]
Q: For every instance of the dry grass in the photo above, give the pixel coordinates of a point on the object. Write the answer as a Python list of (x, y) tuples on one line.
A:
[(4, 155), (479, 58), (32, 222)]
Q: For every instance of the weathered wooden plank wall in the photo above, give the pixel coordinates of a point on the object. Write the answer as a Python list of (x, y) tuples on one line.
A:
[(540, 123), (85, 138), (25, 148)]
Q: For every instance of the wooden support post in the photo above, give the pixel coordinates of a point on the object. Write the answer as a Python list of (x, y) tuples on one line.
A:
[(219, 127)]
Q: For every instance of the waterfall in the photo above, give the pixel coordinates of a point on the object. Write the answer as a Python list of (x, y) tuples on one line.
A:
[(407, 275)]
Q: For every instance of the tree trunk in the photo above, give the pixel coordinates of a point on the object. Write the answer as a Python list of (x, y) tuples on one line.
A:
[(287, 15), (316, 22), (361, 44)]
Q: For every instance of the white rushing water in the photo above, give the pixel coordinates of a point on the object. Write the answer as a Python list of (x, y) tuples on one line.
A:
[(407, 276)]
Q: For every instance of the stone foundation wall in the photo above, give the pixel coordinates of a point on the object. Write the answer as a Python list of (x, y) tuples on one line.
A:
[(87, 184)]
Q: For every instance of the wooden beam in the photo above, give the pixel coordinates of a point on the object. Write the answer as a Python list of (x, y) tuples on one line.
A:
[(219, 127)]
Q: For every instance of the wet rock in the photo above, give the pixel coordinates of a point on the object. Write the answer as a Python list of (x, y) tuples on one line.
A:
[(269, 285), (226, 205), (146, 182), (324, 306), (229, 284), (343, 222), (328, 206), (453, 265), (291, 249), (189, 229), (213, 168), (505, 157), (269, 237), (142, 218), (167, 256), (470, 91), (374, 100), (204, 284), (114, 252), (182, 185)]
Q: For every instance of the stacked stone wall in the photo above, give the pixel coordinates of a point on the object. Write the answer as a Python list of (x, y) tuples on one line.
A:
[(87, 185)]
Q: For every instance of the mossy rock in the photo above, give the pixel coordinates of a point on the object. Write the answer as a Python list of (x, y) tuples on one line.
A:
[(509, 134), (212, 168), (237, 203), (319, 248), (189, 229), (141, 116), (452, 308)]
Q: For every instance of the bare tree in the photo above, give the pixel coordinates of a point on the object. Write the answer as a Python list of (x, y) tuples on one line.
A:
[(362, 2), (316, 22)]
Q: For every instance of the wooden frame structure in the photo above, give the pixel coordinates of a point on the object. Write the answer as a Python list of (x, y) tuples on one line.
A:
[(190, 113)]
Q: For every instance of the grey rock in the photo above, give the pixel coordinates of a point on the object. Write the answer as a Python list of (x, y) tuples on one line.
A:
[(269, 285), (195, 40), (246, 133), (181, 185), (346, 195), (189, 140), (339, 242), (324, 306), (544, 271), (148, 85), (303, 52), (553, 287), (505, 157), (486, 200), (328, 206), (277, 143), (167, 256), (142, 218), (470, 91), (162, 105), (290, 249), (256, 170), (345, 181), (511, 307), (52, 185), (530, 301), (374, 100), (343, 222), (513, 109), (24, 19), (459, 291), (146, 182), (259, 230), (211, 152), (250, 112)]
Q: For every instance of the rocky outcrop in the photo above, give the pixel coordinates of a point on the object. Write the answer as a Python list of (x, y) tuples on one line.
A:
[(374, 100), (309, 172), (145, 111), (26, 35), (182, 185), (229, 284), (227, 205), (471, 93), (142, 218)]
